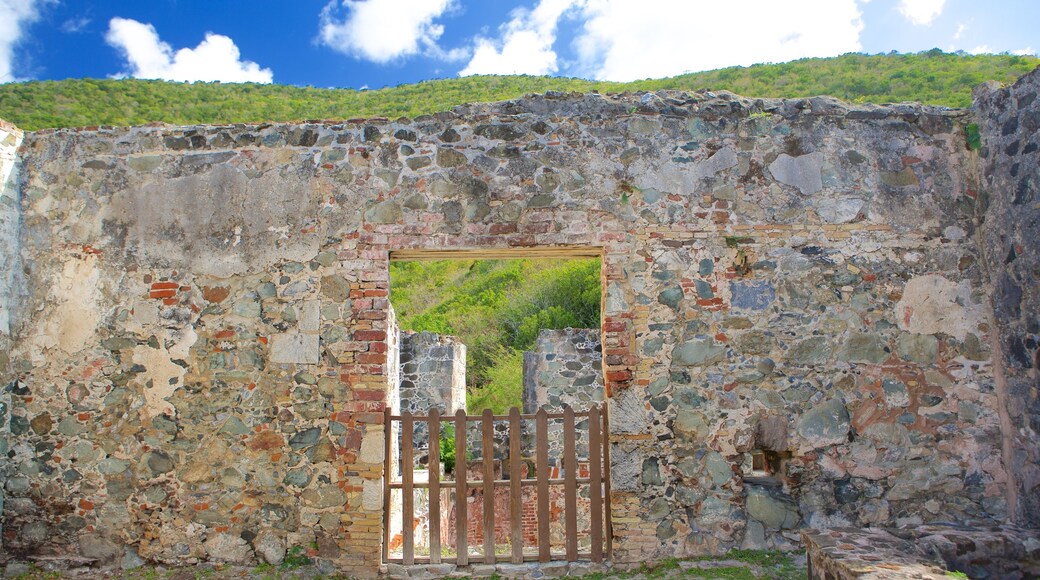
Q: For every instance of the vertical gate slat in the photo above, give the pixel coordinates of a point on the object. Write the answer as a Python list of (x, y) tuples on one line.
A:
[(488, 428), (606, 481), (408, 499), (461, 515), (516, 536), (542, 474), (387, 473), (435, 484), (596, 481), (570, 485)]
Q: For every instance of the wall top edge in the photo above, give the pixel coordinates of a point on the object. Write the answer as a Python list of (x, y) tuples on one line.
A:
[(700, 104)]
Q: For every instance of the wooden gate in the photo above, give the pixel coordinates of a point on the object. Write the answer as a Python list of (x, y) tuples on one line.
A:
[(581, 482)]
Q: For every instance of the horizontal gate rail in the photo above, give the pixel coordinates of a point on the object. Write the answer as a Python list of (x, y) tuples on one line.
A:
[(597, 481)]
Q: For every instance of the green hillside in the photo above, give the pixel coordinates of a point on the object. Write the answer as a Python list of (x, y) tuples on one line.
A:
[(932, 77), (497, 308)]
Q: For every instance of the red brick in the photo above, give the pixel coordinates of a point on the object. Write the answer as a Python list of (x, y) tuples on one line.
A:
[(619, 375), (618, 326), (369, 395), (165, 285), (372, 335), (157, 294), (371, 358)]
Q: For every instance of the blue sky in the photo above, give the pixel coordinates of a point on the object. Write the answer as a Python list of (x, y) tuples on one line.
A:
[(376, 43)]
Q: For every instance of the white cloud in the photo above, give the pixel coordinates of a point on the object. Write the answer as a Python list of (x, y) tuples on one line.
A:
[(526, 45), (961, 27), (981, 49), (15, 16), (921, 12), (1027, 51), (632, 39), (215, 59), (74, 25), (384, 30)]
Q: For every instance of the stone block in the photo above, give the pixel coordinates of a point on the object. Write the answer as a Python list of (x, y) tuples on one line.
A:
[(294, 348)]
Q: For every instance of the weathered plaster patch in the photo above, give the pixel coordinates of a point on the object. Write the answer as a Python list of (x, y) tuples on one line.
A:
[(162, 376), (932, 304), (75, 319)]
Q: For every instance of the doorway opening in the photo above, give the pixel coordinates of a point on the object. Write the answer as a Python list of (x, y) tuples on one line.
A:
[(496, 442)]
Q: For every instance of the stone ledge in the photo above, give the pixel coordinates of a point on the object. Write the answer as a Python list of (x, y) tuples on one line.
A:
[(925, 551)]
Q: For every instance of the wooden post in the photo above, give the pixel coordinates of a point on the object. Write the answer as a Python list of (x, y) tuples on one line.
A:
[(516, 524), (488, 427), (570, 485), (542, 474), (461, 515), (407, 491), (595, 485), (387, 474), (434, 466), (606, 481)]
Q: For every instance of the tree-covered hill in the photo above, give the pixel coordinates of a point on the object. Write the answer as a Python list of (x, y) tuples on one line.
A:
[(932, 77)]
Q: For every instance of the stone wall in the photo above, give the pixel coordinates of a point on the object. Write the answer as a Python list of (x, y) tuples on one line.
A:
[(199, 363), (433, 375), (10, 139), (1009, 119), (564, 367)]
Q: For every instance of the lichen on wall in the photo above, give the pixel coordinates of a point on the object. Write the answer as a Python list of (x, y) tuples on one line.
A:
[(798, 278)]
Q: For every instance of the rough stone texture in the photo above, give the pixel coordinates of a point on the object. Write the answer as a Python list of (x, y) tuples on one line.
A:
[(563, 368), (10, 139), (432, 375), (924, 551), (1009, 122), (159, 263)]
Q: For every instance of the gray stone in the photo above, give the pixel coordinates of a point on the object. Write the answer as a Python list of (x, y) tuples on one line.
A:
[(704, 291), (862, 347), (305, 438), (671, 297), (112, 465), (825, 424), (754, 536), (625, 469), (386, 212), (98, 547), (774, 512), (651, 472), (292, 347), (839, 210), (720, 470), (131, 560), (803, 172), (326, 496), (698, 352), (34, 533), (228, 548), (896, 393), (919, 348), (810, 351), (705, 267), (17, 570), (158, 462), (270, 547)]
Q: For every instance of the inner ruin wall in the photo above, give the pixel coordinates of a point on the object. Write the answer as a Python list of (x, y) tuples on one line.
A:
[(197, 361), (1009, 122)]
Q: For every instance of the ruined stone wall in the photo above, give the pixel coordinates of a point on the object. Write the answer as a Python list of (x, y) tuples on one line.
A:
[(1009, 120), (433, 375), (10, 139), (564, 367), (199, 366)]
